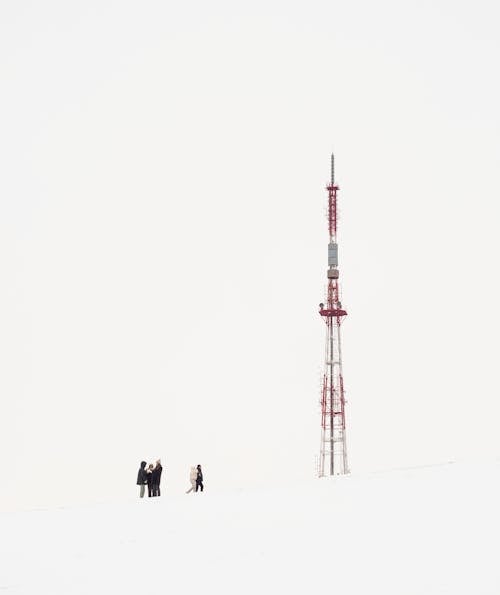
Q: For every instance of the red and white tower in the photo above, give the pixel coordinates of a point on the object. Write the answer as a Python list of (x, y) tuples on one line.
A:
[(333, 451)]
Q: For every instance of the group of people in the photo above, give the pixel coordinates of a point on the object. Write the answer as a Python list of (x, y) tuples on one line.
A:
[(150, 475), (196, 479)]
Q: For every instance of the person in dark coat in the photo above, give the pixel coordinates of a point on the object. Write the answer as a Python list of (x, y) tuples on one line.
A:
[(156, 478), (149, 475), (142, 479), (199, 478)]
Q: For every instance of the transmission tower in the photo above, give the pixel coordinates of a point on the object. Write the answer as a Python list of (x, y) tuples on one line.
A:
[(333, 451)]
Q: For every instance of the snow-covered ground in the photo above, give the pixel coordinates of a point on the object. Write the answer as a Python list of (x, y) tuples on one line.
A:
[(432, 530)]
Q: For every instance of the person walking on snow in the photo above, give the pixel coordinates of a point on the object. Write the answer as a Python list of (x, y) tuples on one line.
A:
[(199, 478), (192, 478), (142, 479), (156, 478)]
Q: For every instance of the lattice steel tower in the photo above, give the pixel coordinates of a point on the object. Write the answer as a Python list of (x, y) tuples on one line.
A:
[(333, 451)]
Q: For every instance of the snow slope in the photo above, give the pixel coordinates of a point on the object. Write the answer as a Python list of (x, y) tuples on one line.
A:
[(432, 530)]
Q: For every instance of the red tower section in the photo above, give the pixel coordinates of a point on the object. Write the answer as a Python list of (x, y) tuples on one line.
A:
[(333, 450)]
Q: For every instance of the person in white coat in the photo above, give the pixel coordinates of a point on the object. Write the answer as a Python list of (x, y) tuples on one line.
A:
[(192, 478)]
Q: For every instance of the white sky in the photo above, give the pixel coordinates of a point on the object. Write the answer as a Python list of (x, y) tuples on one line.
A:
[(163, 242)]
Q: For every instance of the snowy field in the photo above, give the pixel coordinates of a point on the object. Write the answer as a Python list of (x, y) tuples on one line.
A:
[(419, 531)]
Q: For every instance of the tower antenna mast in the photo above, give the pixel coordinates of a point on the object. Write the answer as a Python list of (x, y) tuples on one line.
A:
[(333, 449)]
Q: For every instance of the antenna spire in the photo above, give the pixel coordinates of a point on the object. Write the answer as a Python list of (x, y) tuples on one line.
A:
[(333, 170)]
